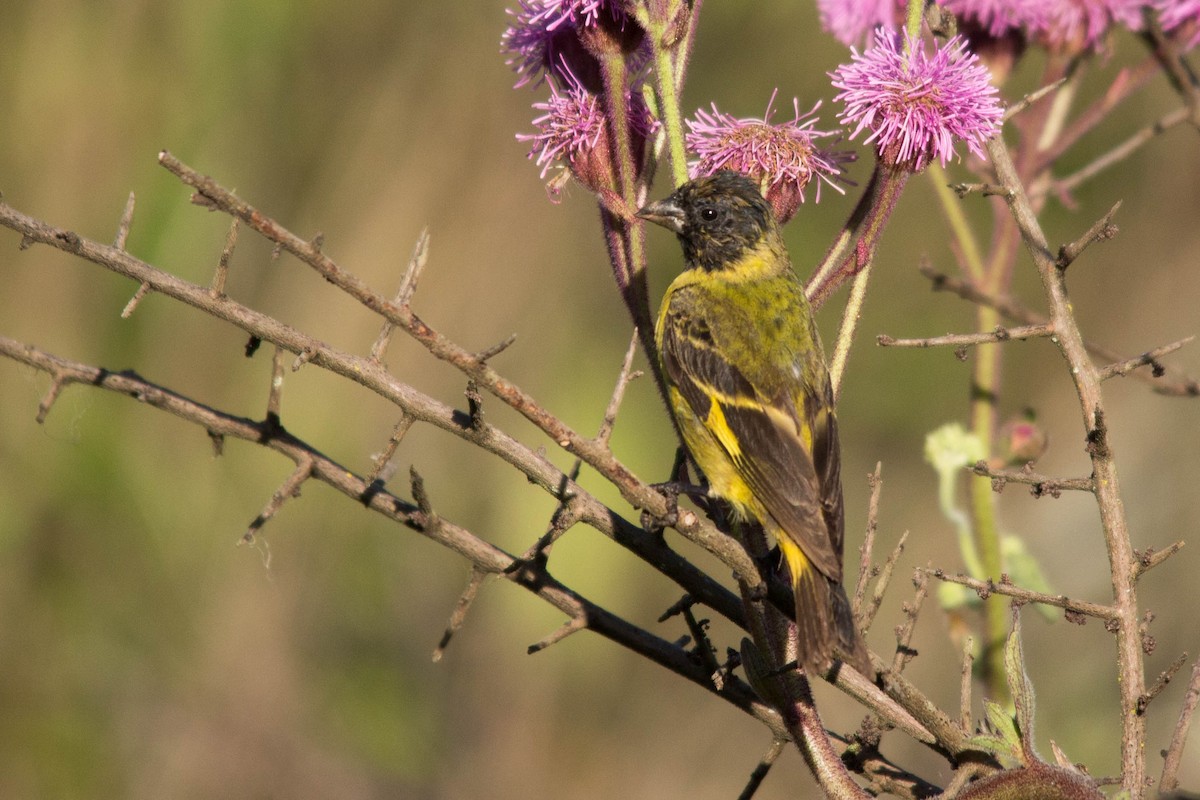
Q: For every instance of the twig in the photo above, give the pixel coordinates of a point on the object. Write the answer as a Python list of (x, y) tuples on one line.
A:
[(217, 288), (57, 384), (1031, 98), (459, 615), (904, 631), (124, 225), (275, 395), (989, 587), (573, 625), (1000, 334), (134, 301), (865, 569), (1066, 185), (1101, 231), (379, 465), (491, 351), (984, 189), (867, 615), (1163, 679), (289, 489), (1148, 358), (1042, 484), (1173, 755), (625, 377), (1150, 558), (764, 766), (408, 285), (1167, 382)]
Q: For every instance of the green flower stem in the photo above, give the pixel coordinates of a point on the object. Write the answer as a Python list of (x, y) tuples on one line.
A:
[(672, 121), (963, 236), (912, 22), (985, 385)]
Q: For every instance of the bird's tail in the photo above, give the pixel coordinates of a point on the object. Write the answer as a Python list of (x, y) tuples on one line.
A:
[(826, 626)]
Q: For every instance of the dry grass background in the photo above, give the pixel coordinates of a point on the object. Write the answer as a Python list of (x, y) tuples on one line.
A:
[(143, 655)]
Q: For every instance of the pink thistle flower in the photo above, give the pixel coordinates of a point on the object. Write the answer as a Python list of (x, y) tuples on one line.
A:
[(573, 130), (783, 159), (851, 21), (1078, 25), (916, 105), (540, 45), (998, 18), (1180, 18)]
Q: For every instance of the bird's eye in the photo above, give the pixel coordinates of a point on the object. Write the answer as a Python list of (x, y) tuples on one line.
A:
[(708, 214)]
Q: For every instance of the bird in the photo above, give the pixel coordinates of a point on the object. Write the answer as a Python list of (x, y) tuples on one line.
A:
[(748, 385)]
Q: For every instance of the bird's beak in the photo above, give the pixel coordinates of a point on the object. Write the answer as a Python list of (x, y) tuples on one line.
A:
[(666, 213)]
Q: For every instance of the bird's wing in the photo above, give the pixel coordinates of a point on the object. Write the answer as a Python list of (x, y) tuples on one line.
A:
[(770, 439)]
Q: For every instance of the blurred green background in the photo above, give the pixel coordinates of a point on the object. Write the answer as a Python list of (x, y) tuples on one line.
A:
[(143, 654)]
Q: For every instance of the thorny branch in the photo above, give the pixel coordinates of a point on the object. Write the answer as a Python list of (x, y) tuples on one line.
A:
[(416, 407)]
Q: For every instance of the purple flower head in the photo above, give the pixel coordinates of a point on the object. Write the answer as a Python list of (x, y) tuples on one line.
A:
[(783, 159), (557, 37), (573, 130), (851, 21), (1180, 19), (998, 18), (1077, 25), (916, 105)]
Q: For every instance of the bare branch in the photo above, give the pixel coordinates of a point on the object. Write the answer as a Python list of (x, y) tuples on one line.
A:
[(1149, 558), (885, 575), (764, 766), (1000, 334), (904, 631), (58, 382), (1168, 381), (989, 587), (135, 301), (289, 489), (1031, 98), (459, 615), (275, 395), (540, 470), (1042, 484), (865, 569), (1066, 185), (382, 460), (1173, 755), (1086, 378), (573, 625), (983, 189), (488, 353), (125, 224), (1148, 358), (217, 288), (634, 491), (1101, 231), (625, 377), (480, 553), (1163, 679), (408, 285)]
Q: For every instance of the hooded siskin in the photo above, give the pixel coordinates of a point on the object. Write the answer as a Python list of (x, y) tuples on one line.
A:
[(749, 388)]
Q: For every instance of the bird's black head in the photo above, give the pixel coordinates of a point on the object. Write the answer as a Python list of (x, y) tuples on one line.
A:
[(717, 218)]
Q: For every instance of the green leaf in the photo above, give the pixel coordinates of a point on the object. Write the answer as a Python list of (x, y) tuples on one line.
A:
[(1020, 687)]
